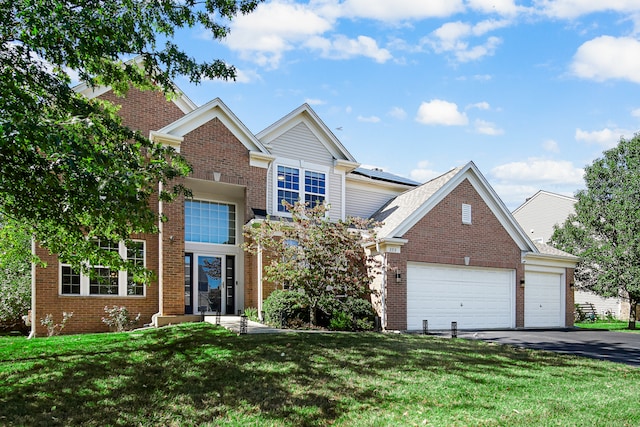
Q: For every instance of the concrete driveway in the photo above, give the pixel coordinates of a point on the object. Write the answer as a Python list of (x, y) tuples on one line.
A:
[(620, 347)]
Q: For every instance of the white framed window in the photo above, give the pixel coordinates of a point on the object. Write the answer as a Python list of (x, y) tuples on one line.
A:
[(297, 183), (104, 281), (209, 222)]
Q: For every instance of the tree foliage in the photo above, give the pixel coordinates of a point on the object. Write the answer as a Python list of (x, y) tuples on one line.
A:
[(313, 255), (605, 227), (15, 276), (69, 169)]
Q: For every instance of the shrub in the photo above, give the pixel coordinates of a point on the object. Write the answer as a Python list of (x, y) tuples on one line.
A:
[(347, 313), (286, 308), (55, 328), (251, 313), (118, 318)]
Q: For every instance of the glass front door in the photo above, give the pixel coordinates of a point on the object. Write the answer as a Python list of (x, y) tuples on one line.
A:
[(210, 284)]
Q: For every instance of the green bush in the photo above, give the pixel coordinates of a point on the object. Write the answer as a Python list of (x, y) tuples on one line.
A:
[(251, 313), (15, 296), (347, 313), (285, 308)]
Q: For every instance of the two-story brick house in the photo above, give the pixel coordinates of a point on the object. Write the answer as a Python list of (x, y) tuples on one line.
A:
[(451, 250)]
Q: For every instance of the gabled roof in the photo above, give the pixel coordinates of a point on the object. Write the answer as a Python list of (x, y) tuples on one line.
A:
[(214, 109), (181, 100), (541, 193), (381, 175), (305, 114), (404, 211)]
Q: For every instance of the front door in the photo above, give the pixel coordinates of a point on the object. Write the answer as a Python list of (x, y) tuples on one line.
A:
[(215, 279)]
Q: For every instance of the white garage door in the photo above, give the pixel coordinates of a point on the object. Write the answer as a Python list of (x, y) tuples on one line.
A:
[(476, 298), (543, 300)]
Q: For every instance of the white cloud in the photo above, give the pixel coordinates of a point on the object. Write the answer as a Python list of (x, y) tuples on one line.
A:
[(272, 29), (608, 57), (502, 7), (440, 112), (607, 138), (487, 128), (423, 172), (342, 47), (539, 171), (370, 119), (480, 105), (635, 113), (452, 38), (399, 10), (551, 146), (397, 113), (313, 101), (574, 8)]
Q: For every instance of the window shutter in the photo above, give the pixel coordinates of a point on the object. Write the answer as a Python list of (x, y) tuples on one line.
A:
[(466, 213)]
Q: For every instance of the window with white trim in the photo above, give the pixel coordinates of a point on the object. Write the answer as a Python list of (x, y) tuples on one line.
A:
[(104, 281), (209, 222), (313, 192)]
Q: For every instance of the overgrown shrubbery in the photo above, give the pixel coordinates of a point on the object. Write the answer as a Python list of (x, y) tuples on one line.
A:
[(15, 276), (54, 328), (290, 309), (286, 308)]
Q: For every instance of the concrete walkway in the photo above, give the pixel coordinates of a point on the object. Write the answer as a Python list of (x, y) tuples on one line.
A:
[(232, 323)]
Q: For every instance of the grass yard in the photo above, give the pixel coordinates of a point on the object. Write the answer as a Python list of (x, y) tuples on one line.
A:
[(609, 325), (198, 374)]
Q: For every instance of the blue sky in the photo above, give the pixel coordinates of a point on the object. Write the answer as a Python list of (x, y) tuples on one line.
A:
[(530, 91)]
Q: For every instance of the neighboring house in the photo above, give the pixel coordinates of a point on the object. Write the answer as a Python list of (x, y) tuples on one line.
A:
[(451, 250), (537, 216)]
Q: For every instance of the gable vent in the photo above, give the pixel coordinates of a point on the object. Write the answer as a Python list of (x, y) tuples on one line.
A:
[(466, 213)]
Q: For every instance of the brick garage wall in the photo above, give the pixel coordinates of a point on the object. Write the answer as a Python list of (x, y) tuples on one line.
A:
[(441, 238), (143, 111), (570, 306)]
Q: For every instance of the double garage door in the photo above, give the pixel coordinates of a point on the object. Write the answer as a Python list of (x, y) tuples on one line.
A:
[(475, 298), (480, 298)]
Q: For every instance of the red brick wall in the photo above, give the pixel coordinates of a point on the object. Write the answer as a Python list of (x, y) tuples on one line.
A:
[(143, 111), (570, 307), (440, 237)]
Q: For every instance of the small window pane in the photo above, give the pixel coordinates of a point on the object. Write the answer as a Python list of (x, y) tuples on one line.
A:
[(135, 253), (70, 281), (104, 282)]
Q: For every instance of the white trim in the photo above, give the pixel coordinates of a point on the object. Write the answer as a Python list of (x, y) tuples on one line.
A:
[(166, 139), (85, 280), (302, 167)]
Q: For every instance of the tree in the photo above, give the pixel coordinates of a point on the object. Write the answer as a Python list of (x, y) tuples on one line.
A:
[(69, 170), (15, 275), (605, 227), (313, 255)]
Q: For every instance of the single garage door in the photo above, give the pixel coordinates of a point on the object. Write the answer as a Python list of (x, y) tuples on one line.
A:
[(476, 298), (543, 300)]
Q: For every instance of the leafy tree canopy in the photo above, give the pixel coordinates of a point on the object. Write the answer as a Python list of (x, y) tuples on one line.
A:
[(605, 228), (69, 169), (311, 254)]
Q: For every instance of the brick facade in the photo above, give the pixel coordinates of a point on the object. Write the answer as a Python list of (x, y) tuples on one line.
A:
[(441, 238)]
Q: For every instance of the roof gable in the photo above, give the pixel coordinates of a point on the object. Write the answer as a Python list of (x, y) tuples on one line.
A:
[(543, 197), (214, 109), (181, 100), (404, 211), (305, 114)]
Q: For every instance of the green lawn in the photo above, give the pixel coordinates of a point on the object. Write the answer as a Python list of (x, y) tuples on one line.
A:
[(609, 325), (198, 374)]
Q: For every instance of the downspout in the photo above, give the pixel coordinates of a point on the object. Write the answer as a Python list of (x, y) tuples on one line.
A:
[(260, 282), (160, 260), (32, 316)]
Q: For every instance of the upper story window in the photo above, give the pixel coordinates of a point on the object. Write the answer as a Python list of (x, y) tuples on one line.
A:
[(104, 281), (312, 192), (210, 222)]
